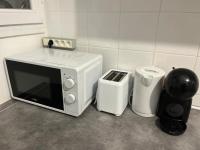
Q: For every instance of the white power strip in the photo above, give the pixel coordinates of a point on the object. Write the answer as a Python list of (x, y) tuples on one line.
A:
[(59, 43)]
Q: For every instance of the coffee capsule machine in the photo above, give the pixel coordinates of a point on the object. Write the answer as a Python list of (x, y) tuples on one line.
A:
[(175, 101)]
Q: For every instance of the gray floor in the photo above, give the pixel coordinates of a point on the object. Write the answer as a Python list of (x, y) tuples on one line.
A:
[(28, 127)]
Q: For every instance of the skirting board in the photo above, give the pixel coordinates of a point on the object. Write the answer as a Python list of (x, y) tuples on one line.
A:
[(7, 104), (196, 107)]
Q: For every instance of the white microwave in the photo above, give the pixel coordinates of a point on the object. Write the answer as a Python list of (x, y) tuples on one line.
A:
[(60, 80)]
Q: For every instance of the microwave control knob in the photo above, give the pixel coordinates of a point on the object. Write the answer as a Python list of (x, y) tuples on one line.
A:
[(69, 83), (70, 99)]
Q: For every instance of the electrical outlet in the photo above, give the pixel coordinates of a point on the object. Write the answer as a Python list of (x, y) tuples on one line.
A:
[(59, 43)]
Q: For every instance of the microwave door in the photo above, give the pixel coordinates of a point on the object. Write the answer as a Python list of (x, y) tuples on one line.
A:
[(36, 83)]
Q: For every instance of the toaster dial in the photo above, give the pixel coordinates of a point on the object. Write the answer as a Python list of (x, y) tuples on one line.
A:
[(70, 99), (68, 83)]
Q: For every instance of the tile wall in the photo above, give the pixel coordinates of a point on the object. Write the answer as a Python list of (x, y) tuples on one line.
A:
[(132, 33)]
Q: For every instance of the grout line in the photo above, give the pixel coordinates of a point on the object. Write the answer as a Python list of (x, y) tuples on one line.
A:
[(181, 12), (45, 17), (60, 15), (138, 51), (87, 28), (119, 31), (196, 59), (104, 48), (142, 51), (156, 34), (131, 11), (177, 54)]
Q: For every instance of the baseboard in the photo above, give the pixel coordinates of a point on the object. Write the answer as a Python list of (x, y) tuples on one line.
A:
[(196, 107), (7, 104)]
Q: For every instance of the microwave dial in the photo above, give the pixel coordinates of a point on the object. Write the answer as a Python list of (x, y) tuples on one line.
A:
[(70, 99), (68, 84)]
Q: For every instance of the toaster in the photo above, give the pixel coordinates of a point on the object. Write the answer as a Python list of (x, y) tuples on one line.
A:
[(114, 90)]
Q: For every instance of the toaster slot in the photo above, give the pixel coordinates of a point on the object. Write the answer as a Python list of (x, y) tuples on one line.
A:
[(115, 76), (119, 76), (110, 75)]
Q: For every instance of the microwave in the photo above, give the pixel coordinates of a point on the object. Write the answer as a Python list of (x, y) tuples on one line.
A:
[(59, 80)]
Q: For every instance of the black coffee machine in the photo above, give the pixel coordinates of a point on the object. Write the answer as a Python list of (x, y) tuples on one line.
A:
[(176, 99)]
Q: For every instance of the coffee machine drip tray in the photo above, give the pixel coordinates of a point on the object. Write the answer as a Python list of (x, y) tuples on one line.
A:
[(172, 126)]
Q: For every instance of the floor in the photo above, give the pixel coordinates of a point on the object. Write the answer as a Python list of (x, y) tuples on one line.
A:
[(28, 127)]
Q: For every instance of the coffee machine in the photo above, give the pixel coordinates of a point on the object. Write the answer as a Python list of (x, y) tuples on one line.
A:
[(175, 101)]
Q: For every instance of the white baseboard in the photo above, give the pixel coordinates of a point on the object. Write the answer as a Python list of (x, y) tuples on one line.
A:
[(196, 107)]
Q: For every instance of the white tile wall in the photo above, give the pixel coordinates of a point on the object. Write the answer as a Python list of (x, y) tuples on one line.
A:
[(103, 5), (140, 5), (129, 60), (74, 25), (132, 24), (178, 33), (53, 5), (54, 24), (196, 101), (197, 70), (82, 48), (73, 5), (103, 29), (181, 5), (167, 61), (109, 57), (131, 33)]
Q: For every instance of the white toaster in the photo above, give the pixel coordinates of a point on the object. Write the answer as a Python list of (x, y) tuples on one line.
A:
[(114, 90)]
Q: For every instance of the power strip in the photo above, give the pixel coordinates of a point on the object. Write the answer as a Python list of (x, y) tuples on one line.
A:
[(59, 43)]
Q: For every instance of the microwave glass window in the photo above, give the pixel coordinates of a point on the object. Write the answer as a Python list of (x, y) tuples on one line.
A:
[(15, 4), (33, 84)]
